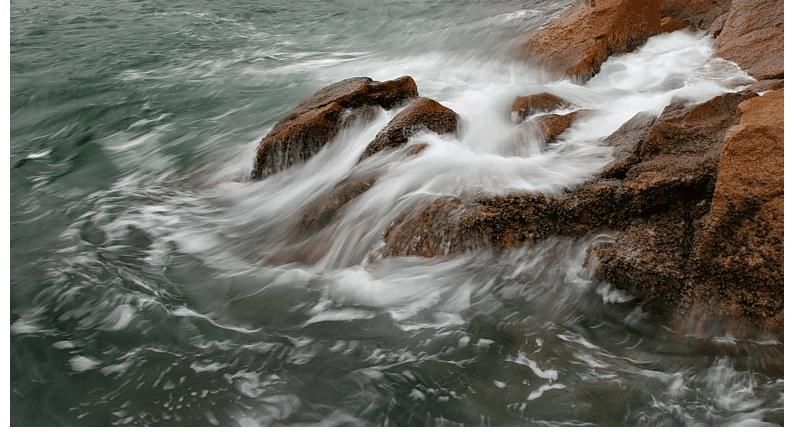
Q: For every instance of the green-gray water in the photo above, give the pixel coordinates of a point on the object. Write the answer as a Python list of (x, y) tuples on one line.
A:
[(138, 291)]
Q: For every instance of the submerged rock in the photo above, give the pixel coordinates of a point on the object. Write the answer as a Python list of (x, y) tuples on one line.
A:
[(322, 210), (318, 118), (551, 126), (524, 106), (578, 43), (752, 36), (422, 114)]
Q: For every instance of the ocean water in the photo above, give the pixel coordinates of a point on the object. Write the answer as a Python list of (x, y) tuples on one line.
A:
[(146, 287)]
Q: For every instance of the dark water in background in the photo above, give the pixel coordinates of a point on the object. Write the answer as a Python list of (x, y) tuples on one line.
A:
[(138, 294)]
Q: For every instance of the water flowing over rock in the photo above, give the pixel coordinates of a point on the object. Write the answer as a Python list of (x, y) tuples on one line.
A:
[(524, 106), (318, 118), (553, 125), (422, 114), (322, 210), (752, 36), (578, 43)]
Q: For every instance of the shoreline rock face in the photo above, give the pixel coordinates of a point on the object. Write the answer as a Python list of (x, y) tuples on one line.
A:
[(583, 38), (318, 118), (738, 251), (752, 36)]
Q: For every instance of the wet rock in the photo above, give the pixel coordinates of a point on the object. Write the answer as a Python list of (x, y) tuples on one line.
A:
[(453, 225), (317, 119), (579, 42), (524, 106), (667, 181), (416, 149), (551, 126), (678, 156), (699, 13), (624, 141), (737, 257), (647, 258), (670, 24), (422, 114), (321, 211), (752, 36), (761, 87), (715, 28)]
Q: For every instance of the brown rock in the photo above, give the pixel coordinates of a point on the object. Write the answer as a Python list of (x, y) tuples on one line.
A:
[(451, 225), (317, 119), (416, 149), (647, 258), (551, 126), (715, 28), (624, 140), (321, 211), (525, 106), (738, 253), (766, 85), (422, 114), (752, 36), (678, 155), (578, 43), (699, 13), (670, 24)]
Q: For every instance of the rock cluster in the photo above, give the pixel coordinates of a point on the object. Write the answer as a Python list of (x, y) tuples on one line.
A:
[(693, 198)]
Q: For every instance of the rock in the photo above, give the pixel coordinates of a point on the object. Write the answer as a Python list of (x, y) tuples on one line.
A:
[(737, 257), (524, 106), (715, 28), (551, 126), (752, 36), (624, 141), (579, 42), (678, 156), (422, 114), (321, 211), (699, 13), (696, 210), (764, 86), (647, 259), (416, 149), (317, 119), (670, 24), (452, 225)]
